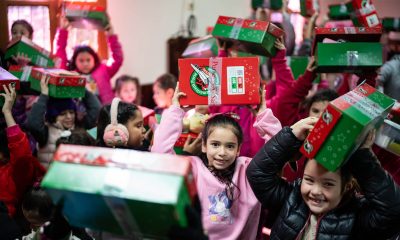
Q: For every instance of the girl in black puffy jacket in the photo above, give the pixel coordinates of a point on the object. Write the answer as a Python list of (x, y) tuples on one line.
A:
[(323, 204)]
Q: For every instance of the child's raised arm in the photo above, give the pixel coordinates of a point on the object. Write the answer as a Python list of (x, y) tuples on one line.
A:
[(167, 133), (60, 41)]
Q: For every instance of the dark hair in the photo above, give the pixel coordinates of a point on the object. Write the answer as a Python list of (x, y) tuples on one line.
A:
[(321, 96), (38, 200), (224, 175), (57, 106), (4, 144), (24, 23), (166, 81), (126, 78), (82, 49), (77, 137), (126, 111)]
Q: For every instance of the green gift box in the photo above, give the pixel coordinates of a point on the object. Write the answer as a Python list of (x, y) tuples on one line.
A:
[(298, 65), (271, 4), (308, 7), (340, 11), (344, 125), (252, 36), (203, 47), (88, 16), (24, 75), (62, 83), (5, 79), (122, 191), (23, 45), (391, 24)]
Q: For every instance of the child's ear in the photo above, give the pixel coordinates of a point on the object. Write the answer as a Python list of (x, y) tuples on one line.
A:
[(170, 92), (203, 148), (238, 151)]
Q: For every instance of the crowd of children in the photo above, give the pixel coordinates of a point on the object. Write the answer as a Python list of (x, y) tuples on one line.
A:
[(251, 181)]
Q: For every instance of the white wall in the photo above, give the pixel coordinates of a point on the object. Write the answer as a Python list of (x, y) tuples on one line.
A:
[(144, 26)]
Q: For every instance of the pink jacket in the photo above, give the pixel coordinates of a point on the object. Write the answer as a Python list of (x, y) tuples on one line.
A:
[(240, 221), (104, 72)]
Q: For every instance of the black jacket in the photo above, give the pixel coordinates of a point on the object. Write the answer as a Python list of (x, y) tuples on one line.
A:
[(374, 216)]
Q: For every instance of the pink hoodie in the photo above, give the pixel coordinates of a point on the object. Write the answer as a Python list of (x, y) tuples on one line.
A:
[(240, 221), (104, 72)]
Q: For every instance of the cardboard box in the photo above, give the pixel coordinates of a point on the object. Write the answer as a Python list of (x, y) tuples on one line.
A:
[(178, 147), (23, 45), (358, 50), (298, 65), (122, 191), (86, 15), (203, 47), (391, 24), (344, 125), (270, 4), (340, 11), (5, 79), (62, 83), (364, 14), (218, 81), (308, 7), (256, 37), (24, 75)]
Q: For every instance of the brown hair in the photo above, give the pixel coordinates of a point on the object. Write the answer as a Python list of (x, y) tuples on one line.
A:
[(127, 78)]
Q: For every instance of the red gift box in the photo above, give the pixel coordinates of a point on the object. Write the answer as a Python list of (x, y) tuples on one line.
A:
[(365, 14), (60, 77), (183, 137), (308, 7), (6, 78), (218, 81)]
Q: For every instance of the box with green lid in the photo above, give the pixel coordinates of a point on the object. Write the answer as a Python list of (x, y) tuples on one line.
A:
[(86, 15), (344, 125), (134, 193), (203, 47), (252, 36), (6, 79), (340, 11)]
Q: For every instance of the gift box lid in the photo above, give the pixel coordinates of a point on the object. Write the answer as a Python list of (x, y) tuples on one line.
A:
[(84, 7), (197, 47), (350, 34), (28, 42), (59, 77), (7, 78)]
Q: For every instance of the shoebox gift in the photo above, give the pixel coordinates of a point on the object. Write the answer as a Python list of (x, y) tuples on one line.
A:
[(24, 46), (308, 7), (203, 47), (119, 190), (5, 79), (391, 24), (298, 65), (218, 81), (270, 4), (256, 37), (344, 125), (364, 14), (340, 11), (86, 15), (62, 83), (24, 75), (348, 49)]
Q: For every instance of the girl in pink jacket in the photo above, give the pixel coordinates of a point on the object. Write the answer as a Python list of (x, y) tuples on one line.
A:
[(86, 61), (229, 207)]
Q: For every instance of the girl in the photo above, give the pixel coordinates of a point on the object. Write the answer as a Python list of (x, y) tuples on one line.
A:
[(229, 207), (86, 61), (60, 115), (323, 204), (18, 168), (163, 91), (21, 28)]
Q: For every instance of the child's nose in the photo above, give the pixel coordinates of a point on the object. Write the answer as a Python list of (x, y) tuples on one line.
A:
[(316, 190)]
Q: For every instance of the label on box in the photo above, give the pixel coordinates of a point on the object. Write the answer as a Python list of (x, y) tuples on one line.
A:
[(26, 72), (235, 80), (214, 81)]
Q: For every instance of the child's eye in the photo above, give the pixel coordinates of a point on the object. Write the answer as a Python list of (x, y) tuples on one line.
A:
[(231, 146), (215, 144), (309, 180), (328, 185)]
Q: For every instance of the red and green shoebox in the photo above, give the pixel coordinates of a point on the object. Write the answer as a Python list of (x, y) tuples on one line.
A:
[(252, 36), (135, 193), (219, 81), (5, 79), (358, 49), (24, 75), (391, 24), (203, 47), (270, 4), (344, 125), (23, 45), (86, 15), (308, 7), (298, 65), (62, 83), (340, 11), (178, 147), (363, 14)]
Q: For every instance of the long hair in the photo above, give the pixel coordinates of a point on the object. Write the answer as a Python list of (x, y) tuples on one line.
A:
[(126, 78), (82, 49)]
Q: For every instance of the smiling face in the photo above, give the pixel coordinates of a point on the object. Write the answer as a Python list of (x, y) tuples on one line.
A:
[(321, 189), (221, 148), (66, 119)]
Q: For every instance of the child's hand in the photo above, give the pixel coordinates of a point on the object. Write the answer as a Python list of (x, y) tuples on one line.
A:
[(221, 44), (64, 23), (280, 43), (44, 85), (311, 66), (302, 127), (22, 59), (263, 102), (9, 98), (369, 141), (193, 146), (177, 95)]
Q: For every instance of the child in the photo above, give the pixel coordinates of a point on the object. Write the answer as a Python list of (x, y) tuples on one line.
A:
[(21, 28), (60, 115), (76, 137), (86, 61), (18, 168), (323, 204), (229, 207), (163, 91)]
